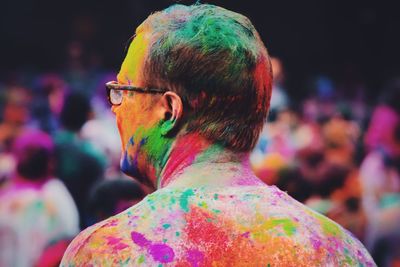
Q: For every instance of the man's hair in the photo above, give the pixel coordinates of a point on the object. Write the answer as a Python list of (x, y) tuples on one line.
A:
[(75, 111), (34, 152), (104, 196), (215, 60)]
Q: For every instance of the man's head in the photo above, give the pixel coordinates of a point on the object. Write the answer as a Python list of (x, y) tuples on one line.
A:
[(75, 111), (110, 197), (215, 68), (34, 153)]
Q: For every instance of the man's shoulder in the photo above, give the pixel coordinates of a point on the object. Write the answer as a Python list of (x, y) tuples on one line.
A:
[(96, 245), (173, 225), (112, 241)]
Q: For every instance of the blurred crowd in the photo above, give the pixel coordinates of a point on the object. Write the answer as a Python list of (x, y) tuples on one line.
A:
[(60, 151), (340, 156), (59, 162)]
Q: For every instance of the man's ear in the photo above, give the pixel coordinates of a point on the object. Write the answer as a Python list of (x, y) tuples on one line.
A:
[(171, 111)]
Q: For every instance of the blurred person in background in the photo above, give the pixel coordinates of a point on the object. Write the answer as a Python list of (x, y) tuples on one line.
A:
[(110, 197), (98, 132), (15, 116), (340, 137), (380, 178), (35, 208), (50, 90), (79, 163), (191, 99), (275, 146), (279, 98)]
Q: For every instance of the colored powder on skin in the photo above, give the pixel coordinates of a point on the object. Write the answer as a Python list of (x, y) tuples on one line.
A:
[(141, 259), (209, 152), (156, 146), (166, 225), (195, 257), (200, 231), (203, 204), (131, 141), (183, 154), (166, 126), (126, 165), (223, 246), (316, 243), (183, 200), (129, 164), (134, 60), (348, 259), (162, 253), (258, 232), (152, 143), (139, 239), (327, 226), (288, 226), (333, 247), (116, 243), (125, 263), (246, 235), (150, 200)]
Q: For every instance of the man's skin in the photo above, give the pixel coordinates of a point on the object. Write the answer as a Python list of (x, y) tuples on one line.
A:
[(209, 208)]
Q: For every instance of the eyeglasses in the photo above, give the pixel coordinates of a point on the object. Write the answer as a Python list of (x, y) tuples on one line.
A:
[(114, 91)]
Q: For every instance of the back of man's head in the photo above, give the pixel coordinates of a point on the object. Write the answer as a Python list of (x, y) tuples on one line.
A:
[(75, 111), (110, 197), (215, 60), (34, 154)]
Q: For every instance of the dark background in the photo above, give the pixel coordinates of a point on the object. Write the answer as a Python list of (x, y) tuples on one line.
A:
[(345, 40)]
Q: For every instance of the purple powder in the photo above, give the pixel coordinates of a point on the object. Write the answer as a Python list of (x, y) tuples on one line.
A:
[(195, 257), (139, 239), (162, 253)]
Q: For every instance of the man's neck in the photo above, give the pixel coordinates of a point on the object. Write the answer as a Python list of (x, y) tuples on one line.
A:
[(194, 161)]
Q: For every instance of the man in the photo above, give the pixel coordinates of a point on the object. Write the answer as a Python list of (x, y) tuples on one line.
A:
[(190, 101)]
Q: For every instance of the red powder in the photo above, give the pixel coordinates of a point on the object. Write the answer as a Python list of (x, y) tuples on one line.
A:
[(263, 83), (183, 155)]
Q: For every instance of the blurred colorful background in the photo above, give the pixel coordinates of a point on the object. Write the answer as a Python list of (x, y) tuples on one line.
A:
[(332, 140)]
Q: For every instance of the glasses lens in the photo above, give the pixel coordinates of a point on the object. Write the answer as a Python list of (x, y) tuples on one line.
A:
[(115, 96)]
